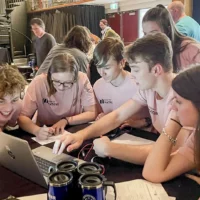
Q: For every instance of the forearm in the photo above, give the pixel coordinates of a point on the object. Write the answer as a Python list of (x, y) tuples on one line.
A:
[(27, 125), (101, 127), (136, 154), (159, 157), (111, 120), (82, 118)]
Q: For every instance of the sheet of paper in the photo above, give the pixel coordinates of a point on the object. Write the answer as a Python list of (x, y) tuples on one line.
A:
[(131, 139), (50, 139), (34, 197), (131, 190), (138, 190)]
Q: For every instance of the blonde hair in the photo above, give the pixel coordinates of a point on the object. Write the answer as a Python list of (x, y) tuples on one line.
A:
[(11, 81)]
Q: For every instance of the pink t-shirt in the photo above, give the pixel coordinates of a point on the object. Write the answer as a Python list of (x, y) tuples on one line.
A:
[(111, 97), (62, 104), (187, 150), (190, 56), (12, 118), (159, 109)]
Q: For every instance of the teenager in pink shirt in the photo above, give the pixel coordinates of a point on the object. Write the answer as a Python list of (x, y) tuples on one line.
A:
[(161, 165), (186, 51), (150, 59), (12, 84), (116, 85), (62, 97)]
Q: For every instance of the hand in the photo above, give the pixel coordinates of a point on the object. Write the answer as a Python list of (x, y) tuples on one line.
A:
[(134, 123), (194, 178), (100, 116), (44, 132), (69, 141), (101, 146), (60, 126)]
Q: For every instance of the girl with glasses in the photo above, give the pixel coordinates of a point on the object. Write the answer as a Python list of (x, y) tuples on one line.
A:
[(62, 97)]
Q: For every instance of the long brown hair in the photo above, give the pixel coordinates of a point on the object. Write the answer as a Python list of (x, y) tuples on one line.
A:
[(63, 62), (186, 84), (163, 18), (78, 37)]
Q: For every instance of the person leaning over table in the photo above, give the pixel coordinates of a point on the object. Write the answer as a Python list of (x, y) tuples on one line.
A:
[(12, 84), (116, 85), (78, 43), (62, 97), (161, 165), (150, 59)]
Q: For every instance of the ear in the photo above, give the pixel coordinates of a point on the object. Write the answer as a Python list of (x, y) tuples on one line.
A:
[(157, 70), (122, 63)]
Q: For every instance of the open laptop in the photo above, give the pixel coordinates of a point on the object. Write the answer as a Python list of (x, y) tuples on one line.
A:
[(16, 155)]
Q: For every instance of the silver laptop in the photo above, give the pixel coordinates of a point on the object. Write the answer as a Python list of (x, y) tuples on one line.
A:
[(16, 155)]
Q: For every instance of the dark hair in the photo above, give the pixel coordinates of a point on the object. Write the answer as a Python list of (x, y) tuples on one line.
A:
[(153, 49), (186, 84), (104, 21), (163, 18), (107, 48), (63, 62), (78, 37), (11, 80), (39, 22)]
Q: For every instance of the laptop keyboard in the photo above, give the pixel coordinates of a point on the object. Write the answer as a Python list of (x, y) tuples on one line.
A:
[(44, 165)]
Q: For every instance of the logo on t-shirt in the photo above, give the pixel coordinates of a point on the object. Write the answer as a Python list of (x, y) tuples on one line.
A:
[(51, 103), (153, 111), (105, 101)]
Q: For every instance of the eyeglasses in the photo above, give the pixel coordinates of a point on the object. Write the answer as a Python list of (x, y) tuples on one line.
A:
[(65, 84)]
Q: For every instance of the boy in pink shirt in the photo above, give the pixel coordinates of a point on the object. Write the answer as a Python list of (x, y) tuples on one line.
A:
[(62, 97), (116, 86), (150, 59), (161, 165), (12, 84), (158, 107), (108, 95)]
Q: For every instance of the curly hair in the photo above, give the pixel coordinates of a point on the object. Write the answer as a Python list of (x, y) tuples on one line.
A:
[(11, 80), (78, 37)]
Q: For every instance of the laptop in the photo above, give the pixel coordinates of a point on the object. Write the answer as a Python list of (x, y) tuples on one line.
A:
[(16, 155)]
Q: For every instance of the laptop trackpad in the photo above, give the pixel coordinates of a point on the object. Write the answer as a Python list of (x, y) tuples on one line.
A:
[(46, 153)]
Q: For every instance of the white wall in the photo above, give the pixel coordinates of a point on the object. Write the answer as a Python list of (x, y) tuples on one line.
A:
[(126, 5)]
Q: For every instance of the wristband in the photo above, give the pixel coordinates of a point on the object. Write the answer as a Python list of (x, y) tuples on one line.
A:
[(66, 120), (176, 122)]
